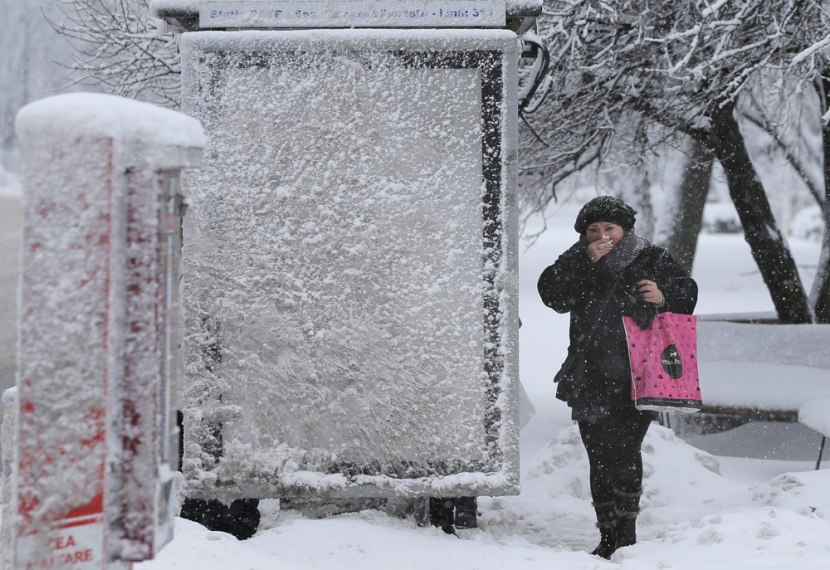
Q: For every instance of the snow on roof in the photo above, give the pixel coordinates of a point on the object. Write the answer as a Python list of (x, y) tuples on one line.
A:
[(513, 7), (79, 115), (350, 39)]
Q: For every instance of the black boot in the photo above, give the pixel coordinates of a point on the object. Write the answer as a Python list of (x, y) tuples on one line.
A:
[(243, 518), (466, 512), (215, 515), (193, 510), (442, 513), (607, 525), (240, 519), (627, 509)]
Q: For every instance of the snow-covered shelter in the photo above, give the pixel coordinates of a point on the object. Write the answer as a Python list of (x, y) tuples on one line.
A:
[(350, 254)]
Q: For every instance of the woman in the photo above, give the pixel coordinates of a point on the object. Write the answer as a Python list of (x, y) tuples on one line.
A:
[(610, 273)]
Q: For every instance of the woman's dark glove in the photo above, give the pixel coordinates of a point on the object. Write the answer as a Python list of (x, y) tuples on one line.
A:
[(642, 312)]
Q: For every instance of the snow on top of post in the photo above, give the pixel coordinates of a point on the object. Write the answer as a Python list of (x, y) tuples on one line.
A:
[(80, 115)]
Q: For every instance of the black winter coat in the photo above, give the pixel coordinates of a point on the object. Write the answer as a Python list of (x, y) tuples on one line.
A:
[(597, 301)]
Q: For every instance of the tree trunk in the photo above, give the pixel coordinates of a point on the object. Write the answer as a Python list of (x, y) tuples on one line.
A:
[(760, 228), (686, 206), (641, 184), (820, 294)]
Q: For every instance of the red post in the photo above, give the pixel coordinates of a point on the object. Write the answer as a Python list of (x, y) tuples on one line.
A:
[(93, 481)]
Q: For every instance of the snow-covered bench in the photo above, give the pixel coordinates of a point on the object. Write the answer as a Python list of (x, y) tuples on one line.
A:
[(815, 414), (767, 372)]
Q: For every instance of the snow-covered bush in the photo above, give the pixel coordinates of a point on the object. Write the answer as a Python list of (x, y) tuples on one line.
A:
[(721, 218), (808, 224)]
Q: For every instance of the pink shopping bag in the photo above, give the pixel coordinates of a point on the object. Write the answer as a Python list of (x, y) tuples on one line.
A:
[(663, 358)]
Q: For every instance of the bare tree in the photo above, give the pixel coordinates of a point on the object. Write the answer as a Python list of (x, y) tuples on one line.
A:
[(682, 64), (625, 170), (29, 65), (686, 203), (789, 116), (820, 294), (119, 48)]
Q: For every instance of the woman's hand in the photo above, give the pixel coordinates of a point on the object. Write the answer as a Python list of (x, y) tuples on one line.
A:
[(600, 247), (650, 292)]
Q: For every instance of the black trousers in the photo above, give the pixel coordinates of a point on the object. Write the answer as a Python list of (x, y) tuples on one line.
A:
[(614, 445)]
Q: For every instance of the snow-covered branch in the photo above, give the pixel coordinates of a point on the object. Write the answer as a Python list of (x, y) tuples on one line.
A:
[(117, 47), (676, 63)]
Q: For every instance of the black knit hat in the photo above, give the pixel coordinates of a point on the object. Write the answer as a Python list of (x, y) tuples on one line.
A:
[(605, 209)]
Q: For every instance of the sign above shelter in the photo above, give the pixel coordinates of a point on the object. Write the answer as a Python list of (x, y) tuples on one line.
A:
[(361, 13), (193, 15)]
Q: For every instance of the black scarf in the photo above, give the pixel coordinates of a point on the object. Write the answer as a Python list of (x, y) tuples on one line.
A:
[(614, 262)]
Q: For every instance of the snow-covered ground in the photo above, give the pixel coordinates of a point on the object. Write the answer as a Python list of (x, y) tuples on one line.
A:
[(699, 511)]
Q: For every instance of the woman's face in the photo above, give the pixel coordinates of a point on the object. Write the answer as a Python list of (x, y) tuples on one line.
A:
[(611, 233)]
